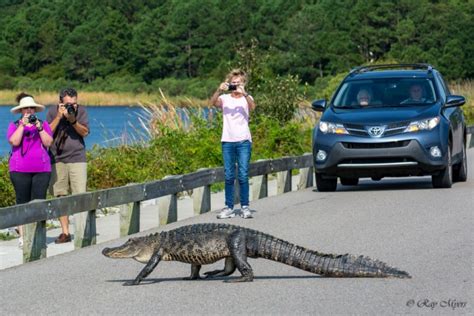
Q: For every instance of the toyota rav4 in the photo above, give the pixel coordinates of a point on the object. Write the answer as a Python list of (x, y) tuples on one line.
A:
[(390, 121)]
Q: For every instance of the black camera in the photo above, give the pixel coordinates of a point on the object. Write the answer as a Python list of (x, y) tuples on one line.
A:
[(70, 108), (32, 119), (232, 87)]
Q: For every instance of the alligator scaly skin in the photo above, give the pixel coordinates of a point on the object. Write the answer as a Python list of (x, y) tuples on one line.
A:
[(201, 244)]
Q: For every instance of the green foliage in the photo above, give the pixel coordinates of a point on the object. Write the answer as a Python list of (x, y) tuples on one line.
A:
[(153, 40), (7, 194), (327, 86), (7, 236), (278, 99), (178, 152)]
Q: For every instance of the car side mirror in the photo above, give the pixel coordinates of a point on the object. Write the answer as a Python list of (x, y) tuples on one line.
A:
[(319, 105), (454, 100)]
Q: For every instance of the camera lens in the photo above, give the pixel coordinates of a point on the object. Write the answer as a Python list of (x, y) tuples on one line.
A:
[(32, 119), (70, 108), (232, 87)]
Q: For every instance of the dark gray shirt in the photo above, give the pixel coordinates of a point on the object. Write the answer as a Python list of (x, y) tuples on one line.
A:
[(68, 145)]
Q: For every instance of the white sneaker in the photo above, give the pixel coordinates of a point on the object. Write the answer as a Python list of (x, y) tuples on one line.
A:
[(226, 213), (20, 242), (245, 212)]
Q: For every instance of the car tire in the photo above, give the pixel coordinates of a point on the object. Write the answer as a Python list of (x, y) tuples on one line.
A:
[(460, 170), (325, 185), (445, 178), (349, 181)]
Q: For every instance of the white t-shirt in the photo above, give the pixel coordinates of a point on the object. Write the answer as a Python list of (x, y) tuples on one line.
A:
[(235, 113)]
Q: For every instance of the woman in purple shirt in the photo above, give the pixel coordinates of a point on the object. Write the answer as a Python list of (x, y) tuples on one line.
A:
[(29, 163)]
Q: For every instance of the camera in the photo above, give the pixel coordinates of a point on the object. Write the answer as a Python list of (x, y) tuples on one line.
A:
[(70, 108), (232, 87), (32, 119)]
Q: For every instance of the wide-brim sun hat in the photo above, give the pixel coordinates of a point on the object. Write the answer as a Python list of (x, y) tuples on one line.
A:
[(27, 102)]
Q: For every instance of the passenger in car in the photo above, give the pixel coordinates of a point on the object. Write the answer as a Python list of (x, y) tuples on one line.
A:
[(364, 97), (416, 94)]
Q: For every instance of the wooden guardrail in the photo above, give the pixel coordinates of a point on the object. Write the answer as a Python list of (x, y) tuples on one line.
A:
[(83, 206)]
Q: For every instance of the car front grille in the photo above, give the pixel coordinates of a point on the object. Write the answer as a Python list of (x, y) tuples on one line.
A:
[(391, 129), (375, 145)]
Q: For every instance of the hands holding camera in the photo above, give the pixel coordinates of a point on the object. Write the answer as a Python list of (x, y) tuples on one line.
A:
[(68, 111), (233, 86), (33, 120)]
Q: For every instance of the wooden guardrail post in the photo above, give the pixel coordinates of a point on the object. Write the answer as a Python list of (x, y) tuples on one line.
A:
[(283, 181), (306, 177), (202, 198), (85, 231), (129, 218), (168, 207), (34, 241), (259, 185)]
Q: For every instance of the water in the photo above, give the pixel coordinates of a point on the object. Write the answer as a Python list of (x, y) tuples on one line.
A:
[(109, 125)]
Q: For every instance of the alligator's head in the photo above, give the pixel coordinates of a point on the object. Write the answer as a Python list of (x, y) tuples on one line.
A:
[(139, 248)]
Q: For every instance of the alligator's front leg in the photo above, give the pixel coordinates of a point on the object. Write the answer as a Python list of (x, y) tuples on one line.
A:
[(150, 266), (194, 272), (237, 246), (229, 268)]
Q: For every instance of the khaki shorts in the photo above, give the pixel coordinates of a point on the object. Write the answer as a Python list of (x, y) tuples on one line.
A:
[(68, 178)]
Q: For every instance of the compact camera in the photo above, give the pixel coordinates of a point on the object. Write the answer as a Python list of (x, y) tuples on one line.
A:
[(70, 108), (32, 119), (232, 87)]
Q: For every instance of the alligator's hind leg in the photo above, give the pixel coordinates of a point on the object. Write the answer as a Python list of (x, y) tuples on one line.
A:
[(152, 263), (229, 268), (194, 272), (238, 252)]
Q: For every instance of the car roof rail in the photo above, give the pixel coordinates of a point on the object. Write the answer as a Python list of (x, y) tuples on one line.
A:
[(362, 69)]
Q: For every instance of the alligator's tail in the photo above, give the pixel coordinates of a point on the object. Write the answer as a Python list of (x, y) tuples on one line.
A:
[(269, 247)]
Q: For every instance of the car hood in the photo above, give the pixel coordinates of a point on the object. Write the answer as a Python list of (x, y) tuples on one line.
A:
[(380, 115)]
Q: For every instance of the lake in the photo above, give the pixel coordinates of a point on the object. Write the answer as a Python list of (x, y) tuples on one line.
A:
[(109, 125)]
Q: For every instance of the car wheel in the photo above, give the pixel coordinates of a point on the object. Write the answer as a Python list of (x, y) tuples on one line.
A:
[(349, 181), (325, 185), (460, 170), (445, 178)]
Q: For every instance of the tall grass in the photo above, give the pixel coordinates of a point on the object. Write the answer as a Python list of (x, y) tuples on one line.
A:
[(7, 97), (466, 89)]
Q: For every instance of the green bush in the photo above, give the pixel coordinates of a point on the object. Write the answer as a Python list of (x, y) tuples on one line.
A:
[(7, 194), (278, 99)]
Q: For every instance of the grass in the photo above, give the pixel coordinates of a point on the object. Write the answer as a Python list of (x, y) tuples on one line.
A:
[(7, 97), (466, 89)]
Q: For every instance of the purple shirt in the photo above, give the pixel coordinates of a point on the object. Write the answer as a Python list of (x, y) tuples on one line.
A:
[(30, 155)]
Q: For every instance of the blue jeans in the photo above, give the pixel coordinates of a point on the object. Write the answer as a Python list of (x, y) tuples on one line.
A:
[(232, 153)]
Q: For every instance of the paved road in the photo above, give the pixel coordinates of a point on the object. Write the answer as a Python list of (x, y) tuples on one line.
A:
[(403, 222)]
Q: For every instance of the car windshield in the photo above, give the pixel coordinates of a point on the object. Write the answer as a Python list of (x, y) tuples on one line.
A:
[(391, 92)]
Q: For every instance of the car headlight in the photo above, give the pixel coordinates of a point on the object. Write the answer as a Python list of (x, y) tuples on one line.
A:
[(332, 128), (423, 125)]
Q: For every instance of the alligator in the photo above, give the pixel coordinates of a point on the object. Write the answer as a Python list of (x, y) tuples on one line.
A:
[(201, 244)]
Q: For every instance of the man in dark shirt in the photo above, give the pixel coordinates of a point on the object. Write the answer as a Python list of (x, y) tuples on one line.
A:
[(70, 124)]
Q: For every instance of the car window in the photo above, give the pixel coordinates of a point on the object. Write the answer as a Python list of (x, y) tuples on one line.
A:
[(385, 92)]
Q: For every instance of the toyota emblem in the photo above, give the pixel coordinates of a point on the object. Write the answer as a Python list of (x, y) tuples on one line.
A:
[(376, 131)]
